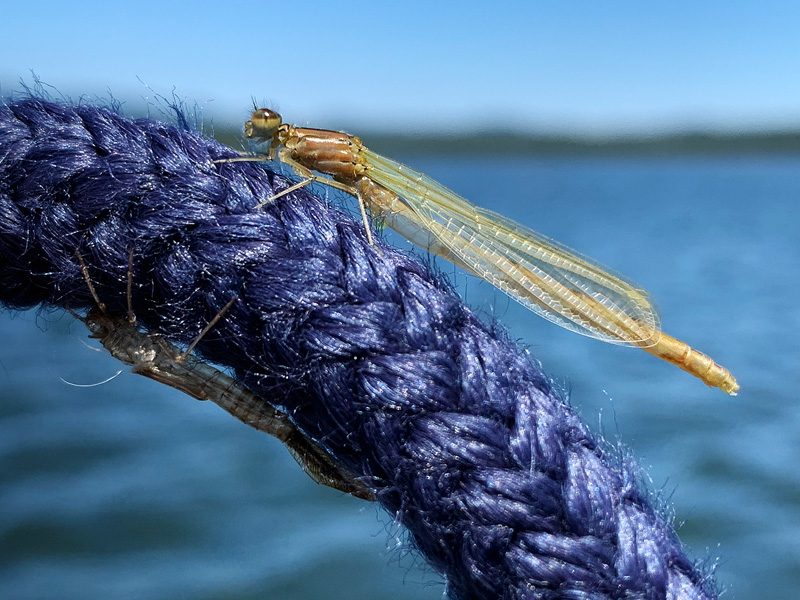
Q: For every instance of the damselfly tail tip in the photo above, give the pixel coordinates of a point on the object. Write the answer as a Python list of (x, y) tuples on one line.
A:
[(730, 386)]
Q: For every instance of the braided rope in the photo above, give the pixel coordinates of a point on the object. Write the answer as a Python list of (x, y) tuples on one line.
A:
[(460, 436)]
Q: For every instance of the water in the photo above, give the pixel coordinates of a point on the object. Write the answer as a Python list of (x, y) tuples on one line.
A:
[(132, 490)]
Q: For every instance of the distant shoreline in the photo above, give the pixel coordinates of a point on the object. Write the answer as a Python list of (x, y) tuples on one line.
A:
[(531, 145)]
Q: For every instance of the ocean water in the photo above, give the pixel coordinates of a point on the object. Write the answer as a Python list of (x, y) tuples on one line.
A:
[(128, 489)]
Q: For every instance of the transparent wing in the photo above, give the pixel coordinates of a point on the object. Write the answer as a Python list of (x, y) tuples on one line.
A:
[(552, 280)]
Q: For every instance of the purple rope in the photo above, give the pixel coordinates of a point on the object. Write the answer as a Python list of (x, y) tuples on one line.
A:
[(463, 439)]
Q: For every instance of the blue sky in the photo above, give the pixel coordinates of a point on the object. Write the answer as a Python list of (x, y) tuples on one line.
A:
[(566, 66)]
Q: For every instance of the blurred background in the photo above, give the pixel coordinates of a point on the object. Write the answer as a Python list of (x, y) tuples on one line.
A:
[(663, 141)]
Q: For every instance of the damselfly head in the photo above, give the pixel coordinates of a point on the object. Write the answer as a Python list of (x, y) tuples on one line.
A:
[(263, 124)]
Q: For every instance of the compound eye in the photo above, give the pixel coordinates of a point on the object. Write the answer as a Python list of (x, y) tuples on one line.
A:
[(263, 124)]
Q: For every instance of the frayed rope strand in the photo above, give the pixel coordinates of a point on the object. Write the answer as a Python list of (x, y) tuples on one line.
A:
[(460, 436)]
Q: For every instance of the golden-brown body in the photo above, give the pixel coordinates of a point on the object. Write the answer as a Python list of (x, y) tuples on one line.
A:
[(550, 279)]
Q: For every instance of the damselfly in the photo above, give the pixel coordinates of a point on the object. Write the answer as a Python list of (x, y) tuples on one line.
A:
[(557, 283)]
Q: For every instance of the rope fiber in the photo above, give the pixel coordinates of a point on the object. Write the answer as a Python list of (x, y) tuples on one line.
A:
[(460, 435)]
